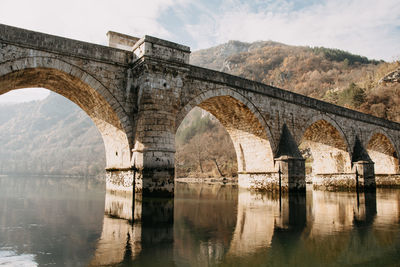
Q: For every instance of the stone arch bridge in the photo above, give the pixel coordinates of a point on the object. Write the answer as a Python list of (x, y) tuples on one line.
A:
[(137, 97)]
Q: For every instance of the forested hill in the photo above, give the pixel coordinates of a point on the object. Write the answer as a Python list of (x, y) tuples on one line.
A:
[(54, 136), (332, 75)]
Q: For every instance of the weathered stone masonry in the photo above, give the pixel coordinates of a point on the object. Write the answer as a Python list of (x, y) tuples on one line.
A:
[(138, 98)]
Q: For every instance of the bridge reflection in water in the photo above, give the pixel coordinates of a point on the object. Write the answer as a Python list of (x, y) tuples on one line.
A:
[(220, 224), (134, 229)]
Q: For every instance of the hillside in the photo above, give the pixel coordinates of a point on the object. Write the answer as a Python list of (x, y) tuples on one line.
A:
[(332, 75), (52, 136), (55, 136)]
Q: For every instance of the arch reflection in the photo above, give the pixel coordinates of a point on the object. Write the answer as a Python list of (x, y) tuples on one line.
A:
[(205, 218), (216, 224), (134, 230)]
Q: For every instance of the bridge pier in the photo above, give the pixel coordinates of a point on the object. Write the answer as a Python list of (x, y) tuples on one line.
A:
[(365, 174), (289, 163), (120, 181), (141, 181), (154, 173), (361, 178), (289, 176), (154, 161), (287, 173), (292, 173)]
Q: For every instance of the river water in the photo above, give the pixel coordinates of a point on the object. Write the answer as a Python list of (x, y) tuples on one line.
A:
[(63, 221)]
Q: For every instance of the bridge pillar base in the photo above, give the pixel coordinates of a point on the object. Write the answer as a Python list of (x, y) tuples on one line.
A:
[(290, 176), (142, 196), (362, 178), (155, 182), (146, 183), (259, 181), (292, 173), (365, 174), (141, 183), (334, 181), (120, 181)]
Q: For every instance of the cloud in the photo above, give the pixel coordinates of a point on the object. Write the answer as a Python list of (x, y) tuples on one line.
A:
[(87, 20), (24, 95), (366, 27)]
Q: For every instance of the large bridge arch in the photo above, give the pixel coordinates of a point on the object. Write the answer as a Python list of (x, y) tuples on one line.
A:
[(81, 88), (327, 145), (382, 151), (251, 136)]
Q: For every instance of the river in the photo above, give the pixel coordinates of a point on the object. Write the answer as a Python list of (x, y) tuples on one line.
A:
[(64, 221)]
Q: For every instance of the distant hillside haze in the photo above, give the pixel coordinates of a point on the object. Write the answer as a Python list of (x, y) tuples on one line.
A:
[(54, 136)]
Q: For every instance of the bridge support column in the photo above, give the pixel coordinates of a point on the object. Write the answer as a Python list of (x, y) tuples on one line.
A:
[(153, 157), (158, 78), (365, 174), (120, 181), (154, 173), (292, 173)]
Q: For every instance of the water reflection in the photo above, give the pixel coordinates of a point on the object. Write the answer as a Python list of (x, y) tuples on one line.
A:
[(256, 219), (50, 220), (68, 223), (157, 221), (265, 221), (134, 230), (205, 219), (120, 241)]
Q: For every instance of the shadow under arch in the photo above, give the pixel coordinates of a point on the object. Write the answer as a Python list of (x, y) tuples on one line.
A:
[(251, 136), (82, 89), (381, 149), (331, 121), (326, 148)]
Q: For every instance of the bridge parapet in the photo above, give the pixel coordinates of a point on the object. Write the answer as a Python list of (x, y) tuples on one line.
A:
[(62, 46), (226, 79)]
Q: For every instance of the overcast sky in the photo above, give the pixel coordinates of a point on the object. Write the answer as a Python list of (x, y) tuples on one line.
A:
[(367, 27)]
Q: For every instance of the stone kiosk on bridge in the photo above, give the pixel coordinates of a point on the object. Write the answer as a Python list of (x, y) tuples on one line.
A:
[(138, 95)]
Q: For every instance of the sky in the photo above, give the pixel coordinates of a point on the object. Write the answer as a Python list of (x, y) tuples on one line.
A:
[(367, 27)]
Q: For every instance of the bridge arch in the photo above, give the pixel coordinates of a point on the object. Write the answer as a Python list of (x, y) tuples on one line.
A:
[(325, 146), (383, 153), (81, 88), (251, 136)]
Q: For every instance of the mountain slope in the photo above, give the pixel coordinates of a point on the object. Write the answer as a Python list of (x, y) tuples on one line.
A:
[(332, 75), (53, 136)]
